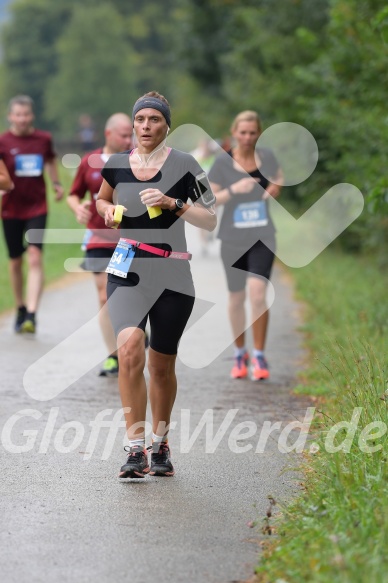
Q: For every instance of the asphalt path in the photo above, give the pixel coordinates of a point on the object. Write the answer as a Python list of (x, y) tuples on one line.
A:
[(65, 516)]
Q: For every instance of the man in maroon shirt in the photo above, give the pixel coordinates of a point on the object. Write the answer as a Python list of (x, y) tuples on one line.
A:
[(101, 241), (26, 152)]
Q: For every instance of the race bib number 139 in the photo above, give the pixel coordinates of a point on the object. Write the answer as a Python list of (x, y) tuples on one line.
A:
[(250, 214)]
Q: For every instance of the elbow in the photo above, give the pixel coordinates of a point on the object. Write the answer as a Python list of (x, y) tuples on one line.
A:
[(7, 184), (99, 203), (212, 224), (99, 209)]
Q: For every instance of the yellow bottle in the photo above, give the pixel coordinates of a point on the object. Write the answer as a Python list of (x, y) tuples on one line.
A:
[(154, 211), (118, 215)]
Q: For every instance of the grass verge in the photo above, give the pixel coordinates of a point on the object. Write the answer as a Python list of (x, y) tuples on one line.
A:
[(337, 530), (60, 217)]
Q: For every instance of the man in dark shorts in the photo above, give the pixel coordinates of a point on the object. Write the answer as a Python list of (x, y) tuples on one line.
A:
[(26, 152), (101, 241)]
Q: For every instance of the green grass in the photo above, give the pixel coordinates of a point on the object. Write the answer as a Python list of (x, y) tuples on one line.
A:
[(337, 530), (61, 217)]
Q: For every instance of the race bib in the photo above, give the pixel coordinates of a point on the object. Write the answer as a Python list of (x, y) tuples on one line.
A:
[(87, 236), (121, 259), (28, 165), (250, 214)]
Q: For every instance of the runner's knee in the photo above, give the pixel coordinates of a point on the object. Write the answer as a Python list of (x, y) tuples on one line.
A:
[(34, 256), (161, 366), (161, 371), (257, 292), (16, 263), (131, 350), (236, 299)]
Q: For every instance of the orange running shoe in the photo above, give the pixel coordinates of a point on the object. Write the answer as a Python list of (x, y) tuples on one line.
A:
[(240, 369), (259, 369)]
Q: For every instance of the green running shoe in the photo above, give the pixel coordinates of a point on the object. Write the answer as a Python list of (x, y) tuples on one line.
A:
[(110, 368), (29, 324)]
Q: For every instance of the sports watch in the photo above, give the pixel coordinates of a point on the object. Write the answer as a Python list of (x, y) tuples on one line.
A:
[(178, 205)]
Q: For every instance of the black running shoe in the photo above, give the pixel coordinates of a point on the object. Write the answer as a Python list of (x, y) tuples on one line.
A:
[(29, 324), (20, 317), (160, 461), (136, 465)]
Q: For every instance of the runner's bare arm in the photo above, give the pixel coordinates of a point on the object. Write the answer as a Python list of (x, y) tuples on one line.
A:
[(272, 188), (223, 194), (80, 209), (240, 187), (198, 216), (104, 204), (5, 179), (52, 170)]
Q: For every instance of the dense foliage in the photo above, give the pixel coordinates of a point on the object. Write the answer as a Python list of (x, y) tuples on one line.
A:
[(321, 64)]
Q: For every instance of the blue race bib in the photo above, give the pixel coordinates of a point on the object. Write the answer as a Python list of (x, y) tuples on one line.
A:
[(28, 165), (250, 214), (121, 260)]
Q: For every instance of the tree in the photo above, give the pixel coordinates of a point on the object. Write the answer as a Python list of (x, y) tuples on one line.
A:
[(145, 41), (27, 41), (95, 69), (349, 82)]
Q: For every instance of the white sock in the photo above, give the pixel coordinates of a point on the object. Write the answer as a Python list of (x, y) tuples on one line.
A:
[(257, 353), (137, 442), (159, 438), (239, 351)]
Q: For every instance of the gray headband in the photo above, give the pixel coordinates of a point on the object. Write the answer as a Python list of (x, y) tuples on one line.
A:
[(153, 103)]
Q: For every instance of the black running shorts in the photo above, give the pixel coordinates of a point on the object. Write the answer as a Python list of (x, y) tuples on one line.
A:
[(256, 262), (131, 306), (14, 231), (97, 259)]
